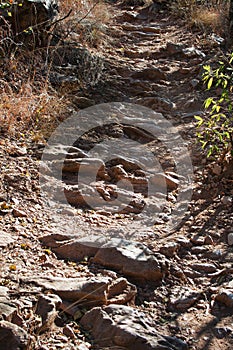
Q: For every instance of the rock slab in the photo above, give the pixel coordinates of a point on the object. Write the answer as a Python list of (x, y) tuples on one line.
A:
[(126, 328), (132, 259), (85, 292), (12, 337)]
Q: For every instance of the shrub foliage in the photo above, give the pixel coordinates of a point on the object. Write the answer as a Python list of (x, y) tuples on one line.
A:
[(215, 129)]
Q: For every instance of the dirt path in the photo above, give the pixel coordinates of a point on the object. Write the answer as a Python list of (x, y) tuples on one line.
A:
[(152, 62)]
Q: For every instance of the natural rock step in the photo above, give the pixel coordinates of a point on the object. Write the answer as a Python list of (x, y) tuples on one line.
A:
[(145, 29), (137, 53), (91, 291), (7, 308), (62, 152), (159, 104), (47, 308), (121, 326), (182, 298), (225, 295), (150, 74), (97, 198), (88, 165), (131, 259)]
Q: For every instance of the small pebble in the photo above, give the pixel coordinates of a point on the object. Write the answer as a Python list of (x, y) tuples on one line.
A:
[(230, 238), (68, 331), (208, 240)]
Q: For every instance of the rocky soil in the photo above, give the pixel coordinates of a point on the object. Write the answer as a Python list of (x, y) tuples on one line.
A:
[(77, 278)]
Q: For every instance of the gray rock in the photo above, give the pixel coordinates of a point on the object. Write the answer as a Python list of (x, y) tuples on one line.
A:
[(123, 326), (12, 337), (230, 238)]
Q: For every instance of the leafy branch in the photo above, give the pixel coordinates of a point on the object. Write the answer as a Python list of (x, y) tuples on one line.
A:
[(215, 130)]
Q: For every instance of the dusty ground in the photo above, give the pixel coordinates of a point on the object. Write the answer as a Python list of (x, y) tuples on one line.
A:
[(202, 260)]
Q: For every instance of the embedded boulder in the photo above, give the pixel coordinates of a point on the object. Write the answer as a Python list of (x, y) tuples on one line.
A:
[(127, 328), (12, 337), (71, 247), (93, 291), (46, 307), (131, 259)]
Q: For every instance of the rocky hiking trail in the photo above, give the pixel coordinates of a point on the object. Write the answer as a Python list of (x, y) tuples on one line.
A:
[(75, 278)]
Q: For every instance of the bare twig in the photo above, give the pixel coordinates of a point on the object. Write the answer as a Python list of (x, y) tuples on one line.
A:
[(61, 19)]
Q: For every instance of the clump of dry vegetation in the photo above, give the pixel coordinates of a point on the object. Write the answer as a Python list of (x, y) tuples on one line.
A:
[(28, 99), (205, 15)]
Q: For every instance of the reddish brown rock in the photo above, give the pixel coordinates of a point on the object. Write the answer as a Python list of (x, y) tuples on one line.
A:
[(12, 337), (91, 292), (46, 307)]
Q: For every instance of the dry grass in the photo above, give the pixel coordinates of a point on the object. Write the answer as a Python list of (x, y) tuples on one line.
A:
[(28, 102), (27, 112), (206, 16), (207, 19)]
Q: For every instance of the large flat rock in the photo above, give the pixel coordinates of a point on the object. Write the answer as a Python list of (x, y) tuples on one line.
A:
[(91, 291), (128, 328), (70, 247), (132, 259)]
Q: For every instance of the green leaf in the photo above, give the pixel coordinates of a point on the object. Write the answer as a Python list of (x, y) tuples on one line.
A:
[(197, 117), (210, 151), (208, 102), (210, 82)]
